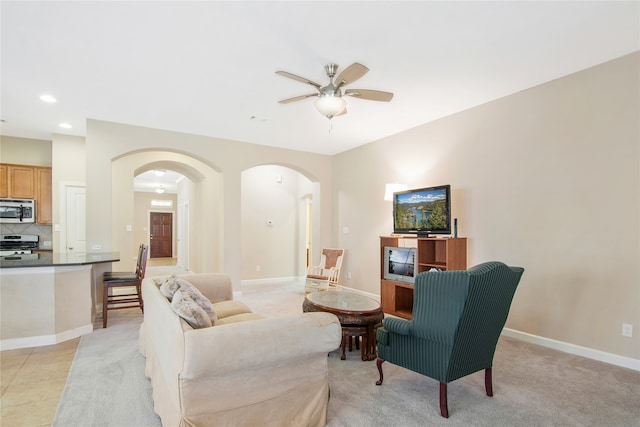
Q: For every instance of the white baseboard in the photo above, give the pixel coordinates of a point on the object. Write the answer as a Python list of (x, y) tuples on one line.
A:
[(590, 353), (42, 340), (272, 280), (363, 293), (613, 359)]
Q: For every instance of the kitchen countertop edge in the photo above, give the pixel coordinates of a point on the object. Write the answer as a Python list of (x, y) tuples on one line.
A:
[(62, 259)]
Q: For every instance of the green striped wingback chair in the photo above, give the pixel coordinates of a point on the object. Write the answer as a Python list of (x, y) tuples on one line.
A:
[(457, 319)]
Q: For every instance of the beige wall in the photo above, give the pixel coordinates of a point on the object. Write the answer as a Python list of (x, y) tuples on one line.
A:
[(25, 151), (547, 179), (115, 152), (68, 169)]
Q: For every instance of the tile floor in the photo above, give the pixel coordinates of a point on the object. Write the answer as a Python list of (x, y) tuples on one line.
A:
[(32, 379)]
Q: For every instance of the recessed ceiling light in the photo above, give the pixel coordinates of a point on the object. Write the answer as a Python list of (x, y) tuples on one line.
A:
[(65, 125), (48, 98)]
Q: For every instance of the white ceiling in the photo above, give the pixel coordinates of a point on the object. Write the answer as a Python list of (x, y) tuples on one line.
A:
[(208, 67)]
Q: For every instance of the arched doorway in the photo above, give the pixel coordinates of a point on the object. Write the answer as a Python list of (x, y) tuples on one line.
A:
[(276, 212), (196, 208)]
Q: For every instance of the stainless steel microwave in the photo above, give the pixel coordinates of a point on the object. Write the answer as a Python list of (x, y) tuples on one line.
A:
[(17, 211)]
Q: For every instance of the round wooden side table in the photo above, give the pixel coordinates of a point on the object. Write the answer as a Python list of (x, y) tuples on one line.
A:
[(359, 316)]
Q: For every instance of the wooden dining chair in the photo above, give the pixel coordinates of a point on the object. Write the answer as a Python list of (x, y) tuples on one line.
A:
[(112, 300)]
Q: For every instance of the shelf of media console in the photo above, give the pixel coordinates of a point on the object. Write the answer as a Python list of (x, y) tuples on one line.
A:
[(440, 266)]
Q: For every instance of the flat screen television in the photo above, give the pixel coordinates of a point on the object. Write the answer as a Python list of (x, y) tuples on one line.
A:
[(399, 264), (422, 211)]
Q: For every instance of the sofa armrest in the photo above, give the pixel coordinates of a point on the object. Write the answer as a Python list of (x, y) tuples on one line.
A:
[(243, 346), (215, 286)]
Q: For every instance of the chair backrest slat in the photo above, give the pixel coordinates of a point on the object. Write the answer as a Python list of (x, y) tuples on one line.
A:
[(143, 262)]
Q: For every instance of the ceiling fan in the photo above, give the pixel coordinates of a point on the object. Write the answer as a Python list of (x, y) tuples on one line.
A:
[(330, 102)]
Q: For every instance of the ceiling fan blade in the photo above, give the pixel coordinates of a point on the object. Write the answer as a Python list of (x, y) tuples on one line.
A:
[(297, 98), (342, 113), (373, 95), (350, 74), (298, 78)]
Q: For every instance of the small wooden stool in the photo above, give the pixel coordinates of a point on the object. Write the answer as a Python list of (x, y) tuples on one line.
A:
[(353, 331)]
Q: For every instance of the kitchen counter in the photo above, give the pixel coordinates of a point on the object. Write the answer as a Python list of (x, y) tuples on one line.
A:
[(59, 259), (50, 298)]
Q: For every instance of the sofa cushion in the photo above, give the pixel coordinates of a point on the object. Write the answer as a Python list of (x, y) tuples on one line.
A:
[(230, 308), (169, 285), (189, 310), (243, 317), (195, 294)]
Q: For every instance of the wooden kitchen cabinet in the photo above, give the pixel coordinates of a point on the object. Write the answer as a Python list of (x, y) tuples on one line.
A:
[(44, 211), (4, 182), (28, 182), (21, 182)]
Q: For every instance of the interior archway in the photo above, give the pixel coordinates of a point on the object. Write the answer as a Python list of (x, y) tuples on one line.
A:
[(201, 192), (274, 207)]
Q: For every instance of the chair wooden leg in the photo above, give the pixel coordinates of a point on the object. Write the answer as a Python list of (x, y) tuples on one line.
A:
[(488, 383), (444, 409), (139, 290), (105, 303), (379, 363)]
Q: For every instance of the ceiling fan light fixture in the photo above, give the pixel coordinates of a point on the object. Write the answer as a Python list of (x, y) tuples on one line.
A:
[(330, 105), (330, 102)]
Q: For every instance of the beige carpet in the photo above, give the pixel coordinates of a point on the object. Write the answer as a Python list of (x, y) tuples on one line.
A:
[(533, 386)]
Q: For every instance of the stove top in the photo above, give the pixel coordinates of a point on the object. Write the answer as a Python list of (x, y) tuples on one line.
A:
[(19, 257), (11, 244)]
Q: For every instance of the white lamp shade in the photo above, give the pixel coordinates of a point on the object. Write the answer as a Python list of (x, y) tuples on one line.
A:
[(393, 188), (330, 106)]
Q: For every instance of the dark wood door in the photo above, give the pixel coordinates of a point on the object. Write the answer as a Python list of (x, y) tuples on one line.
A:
[(161, 235)]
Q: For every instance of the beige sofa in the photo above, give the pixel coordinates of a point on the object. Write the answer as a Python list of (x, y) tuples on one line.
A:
[(243, 371)]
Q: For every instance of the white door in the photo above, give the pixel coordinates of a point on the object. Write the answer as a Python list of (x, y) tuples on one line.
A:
[(75, 222)]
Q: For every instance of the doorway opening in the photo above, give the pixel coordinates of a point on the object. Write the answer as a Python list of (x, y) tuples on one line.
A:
[(276, 210)]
